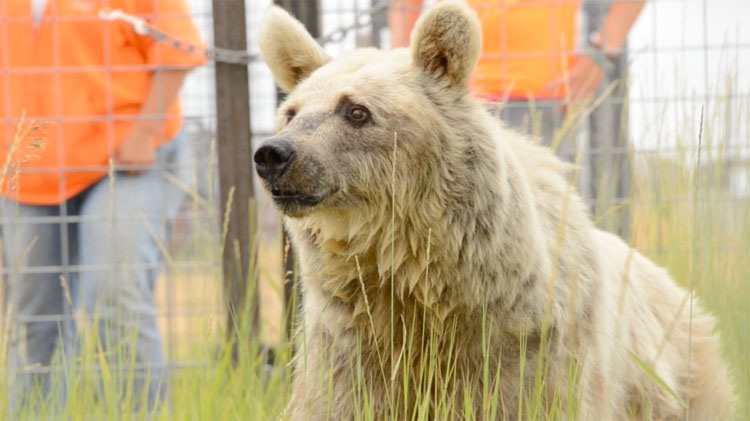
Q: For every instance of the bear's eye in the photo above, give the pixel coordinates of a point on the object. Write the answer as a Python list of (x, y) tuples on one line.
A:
[(358, 115), (290, 113)]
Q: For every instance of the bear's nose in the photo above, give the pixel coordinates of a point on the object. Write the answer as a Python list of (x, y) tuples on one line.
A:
[(273, 158)]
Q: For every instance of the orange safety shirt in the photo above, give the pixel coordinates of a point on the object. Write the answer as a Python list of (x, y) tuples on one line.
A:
[(82, 80), (527, 45)]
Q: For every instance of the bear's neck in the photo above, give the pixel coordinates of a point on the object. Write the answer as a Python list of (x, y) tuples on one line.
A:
[(377, 283)]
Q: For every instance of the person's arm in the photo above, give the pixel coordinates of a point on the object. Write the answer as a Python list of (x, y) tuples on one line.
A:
[(586, 75), (138, 146), (402, 15), (172, 17), (622, 15)]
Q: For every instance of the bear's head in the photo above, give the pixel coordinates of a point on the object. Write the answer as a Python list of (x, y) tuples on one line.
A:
[(345, 122)]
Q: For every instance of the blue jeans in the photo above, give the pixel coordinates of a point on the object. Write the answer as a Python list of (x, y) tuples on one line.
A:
[(541, 119), (103, 256)]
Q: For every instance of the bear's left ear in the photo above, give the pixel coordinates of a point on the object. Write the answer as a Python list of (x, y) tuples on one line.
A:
[(446, 42), (288, 49)]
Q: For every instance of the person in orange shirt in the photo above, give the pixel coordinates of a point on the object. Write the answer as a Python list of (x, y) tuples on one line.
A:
[(85, 201), (530, 58)]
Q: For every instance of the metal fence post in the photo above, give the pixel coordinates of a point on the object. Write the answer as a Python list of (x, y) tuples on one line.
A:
[(610, 181), (379, 22), (308, 12), (234, 148)]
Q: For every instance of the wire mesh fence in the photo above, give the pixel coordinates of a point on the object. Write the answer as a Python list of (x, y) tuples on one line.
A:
[(636, 143)]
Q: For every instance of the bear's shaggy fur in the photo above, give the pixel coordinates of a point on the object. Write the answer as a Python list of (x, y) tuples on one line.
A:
[(443, 255)]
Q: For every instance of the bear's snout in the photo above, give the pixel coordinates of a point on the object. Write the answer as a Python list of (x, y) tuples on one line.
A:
[(273, 158)]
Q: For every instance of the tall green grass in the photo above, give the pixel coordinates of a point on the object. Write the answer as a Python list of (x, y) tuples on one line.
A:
[(696, 226)]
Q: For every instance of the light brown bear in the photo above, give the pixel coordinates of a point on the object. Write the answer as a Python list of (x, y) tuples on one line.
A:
[(449, 270)]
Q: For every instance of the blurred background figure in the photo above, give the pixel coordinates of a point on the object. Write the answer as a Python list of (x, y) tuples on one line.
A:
[(543, 64), (105, 144), (530, 56)]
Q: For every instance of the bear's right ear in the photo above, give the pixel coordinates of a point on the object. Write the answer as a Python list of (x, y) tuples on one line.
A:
[(446, 42), (288, 49)]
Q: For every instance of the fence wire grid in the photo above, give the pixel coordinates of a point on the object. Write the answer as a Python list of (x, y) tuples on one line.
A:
[(682, 56)]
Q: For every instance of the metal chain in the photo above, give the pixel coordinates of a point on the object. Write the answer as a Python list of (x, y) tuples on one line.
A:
[(225, 55), (141, 27), (339, 34)]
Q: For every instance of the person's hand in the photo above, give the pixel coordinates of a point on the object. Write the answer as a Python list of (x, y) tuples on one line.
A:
[(137, 149), (583, 79)]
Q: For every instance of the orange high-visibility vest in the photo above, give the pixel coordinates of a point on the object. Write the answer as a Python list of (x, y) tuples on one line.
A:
[(527, 44), (82, 80)]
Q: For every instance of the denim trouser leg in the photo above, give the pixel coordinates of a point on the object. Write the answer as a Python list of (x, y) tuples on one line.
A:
[(34, 301), (123, 228), (117, 245), (542, 119)]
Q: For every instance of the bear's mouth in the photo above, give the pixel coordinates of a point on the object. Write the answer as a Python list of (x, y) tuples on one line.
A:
[(290, 198)]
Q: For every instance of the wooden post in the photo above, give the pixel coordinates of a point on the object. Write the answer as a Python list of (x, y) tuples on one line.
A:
[(233, 137), (308, 12)]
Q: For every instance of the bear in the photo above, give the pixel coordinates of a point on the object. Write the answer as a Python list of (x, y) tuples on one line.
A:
[(449, 270)]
